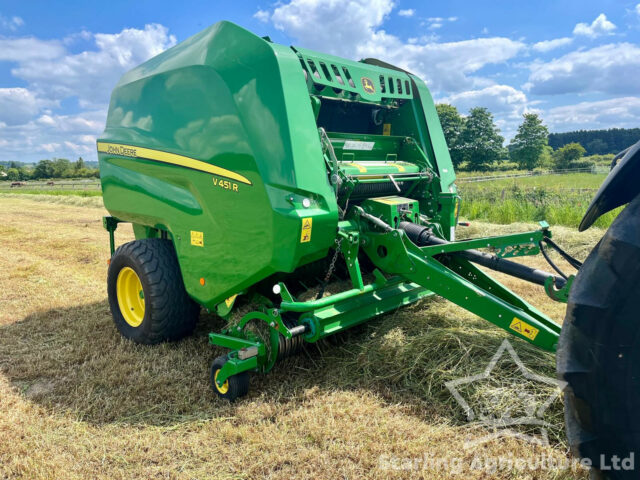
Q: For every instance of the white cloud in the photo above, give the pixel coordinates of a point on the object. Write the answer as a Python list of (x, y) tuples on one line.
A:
[(53, 135), (353, 30), (11, 23), (547, 45), (611, 68), (27, 49), (409, 12), (262, 15), (497, 98), (438, 22), (92, 74), (621, 112), (17, 105), (28, 122), (344, 24), (600, 26), (638, 9), (506, 103)]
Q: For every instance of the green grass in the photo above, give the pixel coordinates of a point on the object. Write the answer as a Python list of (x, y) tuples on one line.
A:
[(558, 199)]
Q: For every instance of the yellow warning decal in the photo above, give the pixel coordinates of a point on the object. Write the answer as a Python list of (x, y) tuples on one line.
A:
[(197, 238), (305, 236), (523, 328), (170, 158), (229, 301), (386, 129)]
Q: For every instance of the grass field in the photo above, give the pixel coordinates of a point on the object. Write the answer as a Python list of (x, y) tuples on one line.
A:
[(78, 401), (559, 199)]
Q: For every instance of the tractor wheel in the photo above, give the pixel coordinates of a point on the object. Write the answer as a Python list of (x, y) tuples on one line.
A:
[(599, 351), (147, 297), (234, 387)]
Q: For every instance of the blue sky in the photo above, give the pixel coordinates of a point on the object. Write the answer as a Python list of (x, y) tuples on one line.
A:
[(576, 63)]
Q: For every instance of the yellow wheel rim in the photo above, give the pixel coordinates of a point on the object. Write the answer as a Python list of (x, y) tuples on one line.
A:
[(225, 386), (130, 296)]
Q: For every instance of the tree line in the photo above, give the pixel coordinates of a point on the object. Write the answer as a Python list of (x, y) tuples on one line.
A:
[(475, 143), (597, 142), (45, 169)]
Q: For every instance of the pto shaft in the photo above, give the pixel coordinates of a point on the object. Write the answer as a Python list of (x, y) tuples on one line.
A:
[(422, 237)]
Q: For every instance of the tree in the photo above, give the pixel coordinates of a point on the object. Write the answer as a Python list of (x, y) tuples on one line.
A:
[(597, 147), (13, 174), (567, 154), (480, 141), (546, 158), (61, 168), (452, 125), (79, 165), (44, 169), (528, 144)]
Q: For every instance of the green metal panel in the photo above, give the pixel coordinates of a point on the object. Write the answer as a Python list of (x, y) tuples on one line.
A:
[(244, 108)]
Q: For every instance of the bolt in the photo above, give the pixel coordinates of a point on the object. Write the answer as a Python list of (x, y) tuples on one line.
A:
[(272, 324), (499, 316)]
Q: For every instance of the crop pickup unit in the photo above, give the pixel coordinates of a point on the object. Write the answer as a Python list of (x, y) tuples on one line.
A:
[(255, 173)]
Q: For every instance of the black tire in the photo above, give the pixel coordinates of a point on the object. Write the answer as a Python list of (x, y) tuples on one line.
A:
[(235, 386), (599, 350), (169, 313)]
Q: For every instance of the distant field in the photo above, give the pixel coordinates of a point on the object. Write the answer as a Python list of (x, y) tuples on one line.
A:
[(558, 199)]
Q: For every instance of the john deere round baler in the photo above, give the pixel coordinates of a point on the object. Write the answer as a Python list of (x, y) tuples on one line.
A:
[(319, 191), (258, 173)]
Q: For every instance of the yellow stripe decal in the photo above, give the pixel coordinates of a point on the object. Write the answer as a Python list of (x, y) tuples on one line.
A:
[(398, 166), (170, 158), (358, 166)]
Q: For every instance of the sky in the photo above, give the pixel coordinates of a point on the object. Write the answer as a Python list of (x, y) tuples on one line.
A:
[(575, 63)]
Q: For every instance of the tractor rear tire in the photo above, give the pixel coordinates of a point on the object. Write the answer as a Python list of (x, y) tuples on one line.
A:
[(148, 301), (599, 351)]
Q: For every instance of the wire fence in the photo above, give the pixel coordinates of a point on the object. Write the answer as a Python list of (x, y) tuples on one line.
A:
[(597, 169)]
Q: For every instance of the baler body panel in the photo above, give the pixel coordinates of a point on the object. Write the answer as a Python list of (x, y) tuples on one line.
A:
[(230, 99)]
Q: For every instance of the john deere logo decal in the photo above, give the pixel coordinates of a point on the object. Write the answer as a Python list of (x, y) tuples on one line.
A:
[(367, 84)]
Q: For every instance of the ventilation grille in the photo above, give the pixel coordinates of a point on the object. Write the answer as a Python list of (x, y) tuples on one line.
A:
[(336, 80)]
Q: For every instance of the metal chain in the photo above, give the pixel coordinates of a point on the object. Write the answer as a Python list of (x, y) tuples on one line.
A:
[(332, 266)]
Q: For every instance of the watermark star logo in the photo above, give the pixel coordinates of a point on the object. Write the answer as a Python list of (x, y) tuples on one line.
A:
[(532, 408)]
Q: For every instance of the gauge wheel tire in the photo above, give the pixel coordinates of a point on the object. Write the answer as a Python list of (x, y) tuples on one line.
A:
[(599, 351), (148, 301), (234, 387)]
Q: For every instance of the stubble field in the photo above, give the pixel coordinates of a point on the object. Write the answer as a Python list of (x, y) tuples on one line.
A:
[(78, 401)]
